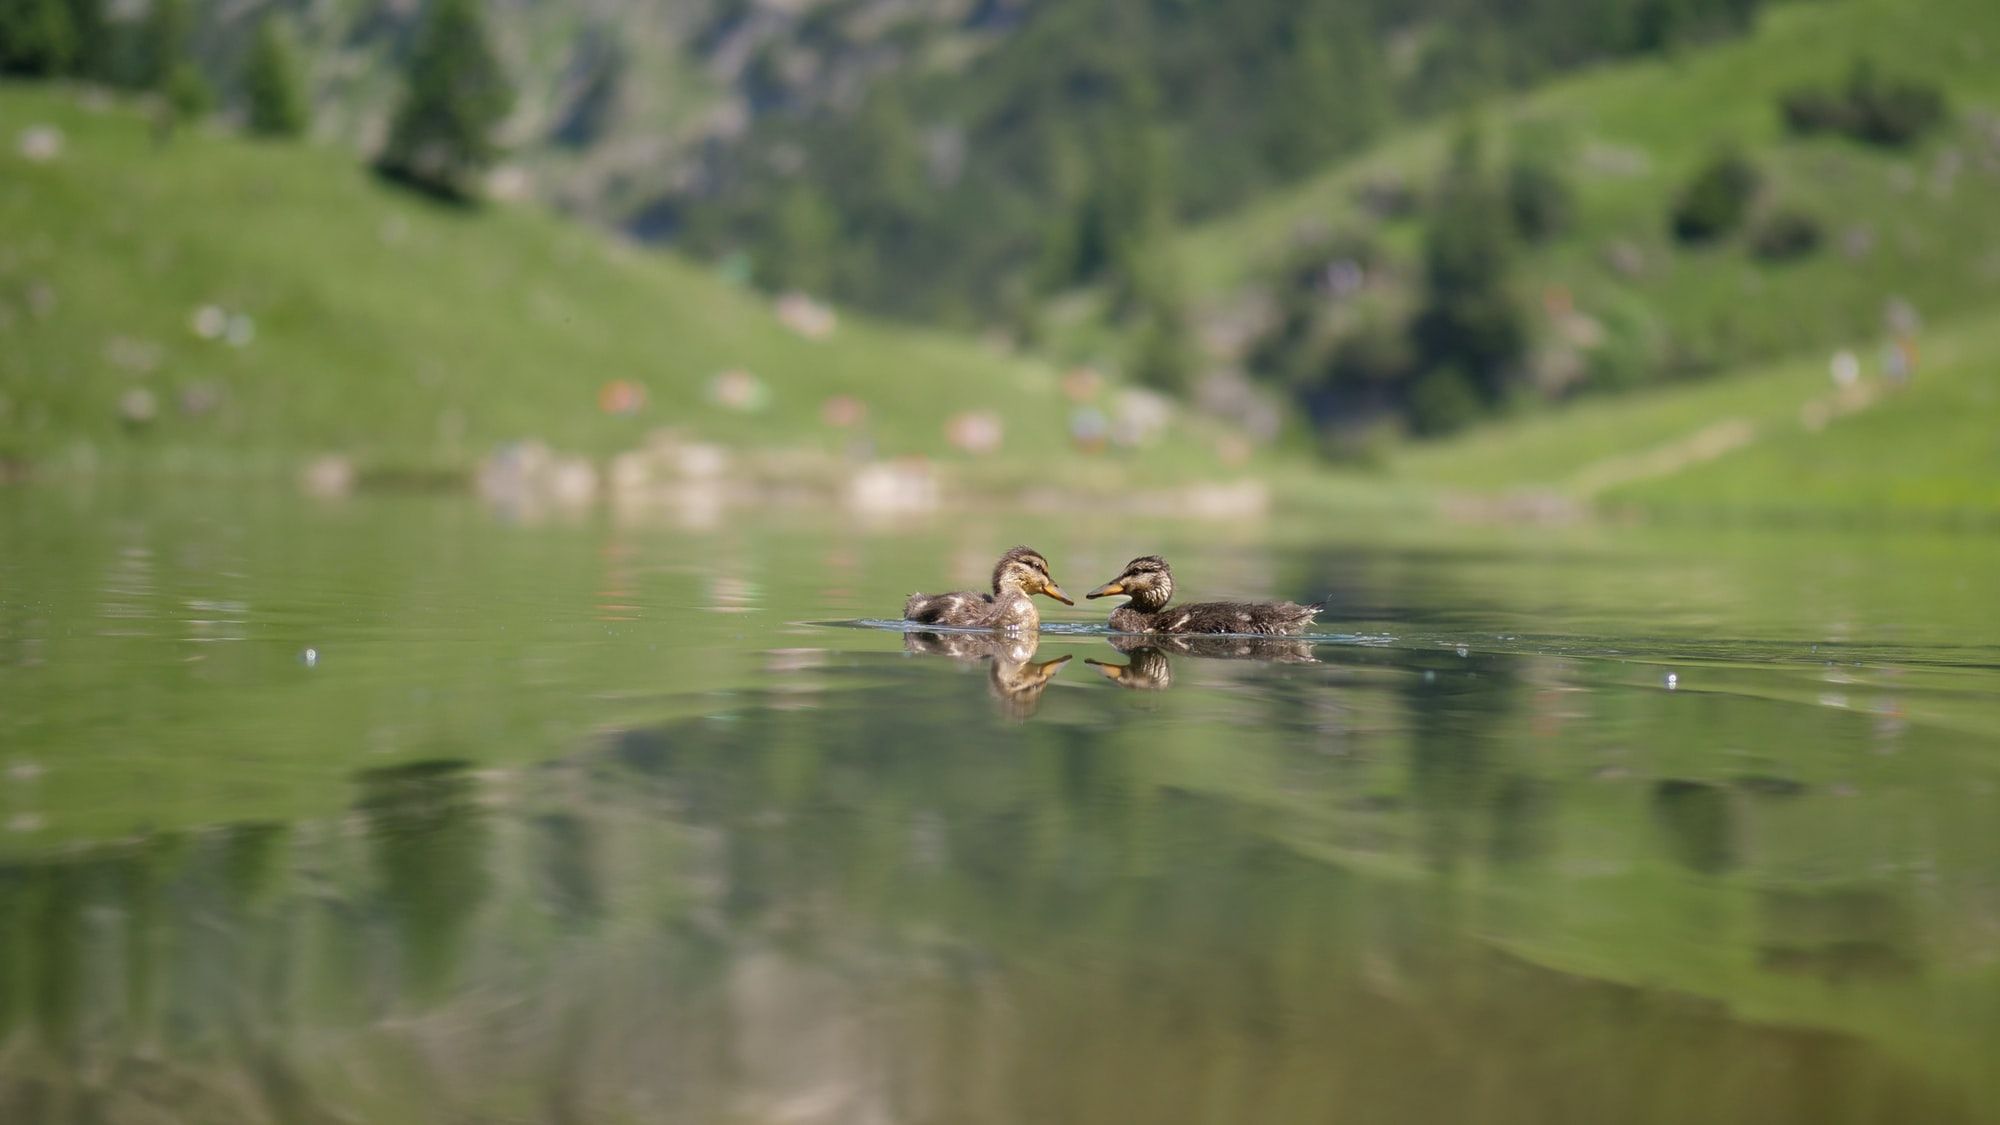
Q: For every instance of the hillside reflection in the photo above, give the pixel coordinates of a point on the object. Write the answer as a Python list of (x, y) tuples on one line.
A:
[(882, 909)]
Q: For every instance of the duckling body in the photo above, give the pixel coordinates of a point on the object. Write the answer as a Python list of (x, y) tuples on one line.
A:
[(1149, 583), (1020, 573)]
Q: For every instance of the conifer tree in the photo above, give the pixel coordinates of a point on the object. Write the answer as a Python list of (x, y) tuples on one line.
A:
[(1166, 353), (90, 56), (273, 85), (167, 67), (456, 94), (1469, 326), (37, 37), (164, 43), (800, 250), (1329, 93)]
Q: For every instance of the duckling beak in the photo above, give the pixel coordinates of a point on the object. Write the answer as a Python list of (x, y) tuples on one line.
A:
[(1109, 589), (1113, 672), (1055, 591)]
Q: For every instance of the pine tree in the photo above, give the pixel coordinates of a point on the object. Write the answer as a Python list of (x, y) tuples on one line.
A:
[(1166, 354), (1330, 93), (164, 43), (273, 85), (36, 37), (167, 67), (442, 137), (803, 236), (90, 56), (1469, 323)]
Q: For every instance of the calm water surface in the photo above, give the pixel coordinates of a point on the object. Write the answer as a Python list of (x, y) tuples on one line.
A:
[(406, 811)]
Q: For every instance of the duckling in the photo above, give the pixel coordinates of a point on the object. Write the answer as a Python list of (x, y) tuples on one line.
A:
[(1149, 582), (1019, 573), (1014, 677)]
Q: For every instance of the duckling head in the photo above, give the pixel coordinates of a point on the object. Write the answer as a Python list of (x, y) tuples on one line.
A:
[(1146, 580), (1025, 569)]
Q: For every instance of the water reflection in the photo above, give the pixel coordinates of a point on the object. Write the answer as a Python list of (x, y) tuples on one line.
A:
[(809, 917), (1147, 666), (543, 839), (1014, 677), (428, 844), (1698, 822)]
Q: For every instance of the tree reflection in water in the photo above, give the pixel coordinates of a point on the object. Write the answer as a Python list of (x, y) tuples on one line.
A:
[(429, 846), (1274, 905)]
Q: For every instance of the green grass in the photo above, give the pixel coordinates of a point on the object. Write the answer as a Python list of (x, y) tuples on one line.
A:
[(1775, 439), (416, 337), (408, 335), (1922, 225)]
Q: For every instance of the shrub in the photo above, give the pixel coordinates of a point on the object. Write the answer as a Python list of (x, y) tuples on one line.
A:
[(1714, 202), (1889, 112), (188, 95), (1539, 200), (1442, 400), (272, 83), (1893, 112), (1813, 109), (1786, 235), (1387, 199)]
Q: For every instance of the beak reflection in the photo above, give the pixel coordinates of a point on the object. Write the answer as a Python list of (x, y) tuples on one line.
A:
[(1014, 677)]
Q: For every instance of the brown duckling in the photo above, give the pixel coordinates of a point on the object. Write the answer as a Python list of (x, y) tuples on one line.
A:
[(1149, 583), (1019, 573)]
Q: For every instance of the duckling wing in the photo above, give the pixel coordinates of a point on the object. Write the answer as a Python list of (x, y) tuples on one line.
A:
[(1256, 618), (960, 607)]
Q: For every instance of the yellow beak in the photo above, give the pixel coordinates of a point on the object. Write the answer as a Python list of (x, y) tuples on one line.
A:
[(1107, 590), (1055, 591)]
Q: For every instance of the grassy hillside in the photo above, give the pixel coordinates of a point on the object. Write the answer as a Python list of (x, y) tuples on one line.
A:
[(1921, 225), (1780, 440), (404, 334)]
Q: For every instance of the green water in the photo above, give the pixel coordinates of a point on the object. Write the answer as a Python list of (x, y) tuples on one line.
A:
[(597, 820)]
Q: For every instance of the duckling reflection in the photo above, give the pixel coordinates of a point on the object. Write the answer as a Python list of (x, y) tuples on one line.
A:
[(1148, 668), (1013, 675)]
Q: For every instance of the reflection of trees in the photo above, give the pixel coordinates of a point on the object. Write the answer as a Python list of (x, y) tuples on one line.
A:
[(428, 838), (1461, 780), (735, 917), (253, 862), (1837, 933), (1698, 823), (566, 850)]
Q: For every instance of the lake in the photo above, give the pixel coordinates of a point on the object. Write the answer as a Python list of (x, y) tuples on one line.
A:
[(406, 810)]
